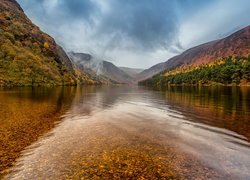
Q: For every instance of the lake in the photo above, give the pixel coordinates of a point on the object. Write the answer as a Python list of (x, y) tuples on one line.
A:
[(132, 132)]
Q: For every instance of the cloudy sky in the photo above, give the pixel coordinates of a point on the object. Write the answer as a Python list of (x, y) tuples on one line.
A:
[(136, 33)]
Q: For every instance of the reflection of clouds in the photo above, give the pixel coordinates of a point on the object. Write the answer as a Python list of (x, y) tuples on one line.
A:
[(104, 118), (90, 99)]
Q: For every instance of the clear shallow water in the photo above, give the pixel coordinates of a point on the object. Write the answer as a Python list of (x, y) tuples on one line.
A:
[(125, 132)]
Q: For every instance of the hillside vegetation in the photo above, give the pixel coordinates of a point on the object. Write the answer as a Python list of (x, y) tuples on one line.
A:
[(29, 57), (235, 45), (227, 71)]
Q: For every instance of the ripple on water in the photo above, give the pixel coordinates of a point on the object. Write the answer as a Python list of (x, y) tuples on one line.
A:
[(124, 132)]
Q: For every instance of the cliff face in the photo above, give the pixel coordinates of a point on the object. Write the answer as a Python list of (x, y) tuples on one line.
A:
[(237, 44), (28, 56)]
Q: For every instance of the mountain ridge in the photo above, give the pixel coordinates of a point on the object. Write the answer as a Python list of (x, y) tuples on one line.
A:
[(236, 44), (132, 72), (99, 67)]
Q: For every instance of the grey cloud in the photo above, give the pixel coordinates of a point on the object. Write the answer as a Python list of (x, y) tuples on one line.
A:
[(75, 9), (149, 24), (63, 12), (135, 31), (176, 48), (130, 24)]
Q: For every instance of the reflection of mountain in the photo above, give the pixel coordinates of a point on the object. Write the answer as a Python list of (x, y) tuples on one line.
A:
[(99, 67), (27, 114), (222, 107), (144, 122), (97, 98)]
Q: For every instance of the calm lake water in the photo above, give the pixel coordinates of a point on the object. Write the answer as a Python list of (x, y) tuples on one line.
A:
[(125, 132)]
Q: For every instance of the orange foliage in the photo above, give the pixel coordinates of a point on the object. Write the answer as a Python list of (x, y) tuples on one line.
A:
[(46, 45)]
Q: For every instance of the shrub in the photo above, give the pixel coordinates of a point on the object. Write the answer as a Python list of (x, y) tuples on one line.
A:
[(46, 45), (9, 36)]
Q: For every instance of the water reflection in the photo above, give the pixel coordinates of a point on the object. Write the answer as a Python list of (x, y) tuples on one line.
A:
[(27, 113), (224, 107), (134, 132)]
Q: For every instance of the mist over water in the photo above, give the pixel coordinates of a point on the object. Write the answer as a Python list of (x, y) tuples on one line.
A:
[(129, 132)]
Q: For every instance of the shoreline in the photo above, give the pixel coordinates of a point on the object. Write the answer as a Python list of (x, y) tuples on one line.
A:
[(199, 85)]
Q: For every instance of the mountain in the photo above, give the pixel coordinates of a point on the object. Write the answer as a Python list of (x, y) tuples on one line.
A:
[(237, 44), (99, 67), (29, 57), (148, 73), (132, 72), (230, 71)]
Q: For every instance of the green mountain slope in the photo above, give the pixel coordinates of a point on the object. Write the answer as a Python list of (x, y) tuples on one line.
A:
[(227, 71), (225, 61), (29, 57), (235, 45)]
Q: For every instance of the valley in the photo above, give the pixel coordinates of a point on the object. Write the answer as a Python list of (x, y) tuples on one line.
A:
[(72, 106)]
